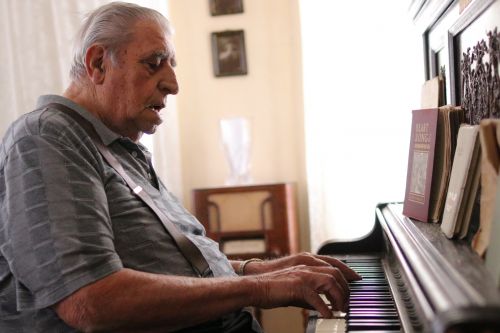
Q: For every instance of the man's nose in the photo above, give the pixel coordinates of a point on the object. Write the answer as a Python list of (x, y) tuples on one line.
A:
[(168, 83)]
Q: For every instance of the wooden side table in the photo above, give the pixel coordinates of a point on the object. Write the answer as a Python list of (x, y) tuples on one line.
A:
[(255, 221)]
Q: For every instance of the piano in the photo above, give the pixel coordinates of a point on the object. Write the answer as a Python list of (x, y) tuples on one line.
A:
[(414, 280)]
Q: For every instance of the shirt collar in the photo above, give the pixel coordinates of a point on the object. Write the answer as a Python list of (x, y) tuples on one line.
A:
[(107, 135)]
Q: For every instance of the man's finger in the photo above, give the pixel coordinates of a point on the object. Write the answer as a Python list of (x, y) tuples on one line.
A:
[(336, 297), (348, 272), (318, 304), (339, 282)]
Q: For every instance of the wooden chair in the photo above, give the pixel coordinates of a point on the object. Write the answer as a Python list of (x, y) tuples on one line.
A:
[(256, 221)]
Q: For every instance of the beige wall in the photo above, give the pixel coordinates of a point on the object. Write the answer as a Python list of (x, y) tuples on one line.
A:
[(270, 96)]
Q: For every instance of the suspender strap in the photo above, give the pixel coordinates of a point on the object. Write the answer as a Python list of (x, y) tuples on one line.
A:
[(190, 251)]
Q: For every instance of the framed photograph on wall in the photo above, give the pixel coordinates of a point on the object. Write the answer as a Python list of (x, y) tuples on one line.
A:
[(228, 53), (225, 7)]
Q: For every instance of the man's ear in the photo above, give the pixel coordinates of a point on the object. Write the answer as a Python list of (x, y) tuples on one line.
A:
[(94, 64)]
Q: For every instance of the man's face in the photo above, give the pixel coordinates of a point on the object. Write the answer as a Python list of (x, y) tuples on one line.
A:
[(136, 86)]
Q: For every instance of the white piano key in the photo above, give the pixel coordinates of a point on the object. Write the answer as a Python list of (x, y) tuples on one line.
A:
[(330, 326), (336, 314), (323, 297)]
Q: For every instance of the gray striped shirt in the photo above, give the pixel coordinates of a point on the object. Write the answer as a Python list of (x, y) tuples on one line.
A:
[(67, 218)]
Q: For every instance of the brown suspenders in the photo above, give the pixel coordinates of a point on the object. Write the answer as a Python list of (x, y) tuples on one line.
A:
[(190, 251)]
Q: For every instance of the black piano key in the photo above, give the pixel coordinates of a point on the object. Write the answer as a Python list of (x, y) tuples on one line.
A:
[(376, 322), (367, 313), (379, 331), (372, 296), (372, 325), (369, 283), (372, 306), (378, 270), (368, 286), (373, 316), (371, 309), (370, 291)]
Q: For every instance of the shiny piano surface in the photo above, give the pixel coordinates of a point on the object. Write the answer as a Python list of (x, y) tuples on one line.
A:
[(415, 280)]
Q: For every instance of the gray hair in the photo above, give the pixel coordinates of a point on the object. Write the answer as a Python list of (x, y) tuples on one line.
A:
[(111, 26)]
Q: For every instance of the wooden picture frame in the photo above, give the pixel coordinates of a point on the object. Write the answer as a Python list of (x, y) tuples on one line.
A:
[(456, 47), (226, 7), (442, 29), (228, 53)]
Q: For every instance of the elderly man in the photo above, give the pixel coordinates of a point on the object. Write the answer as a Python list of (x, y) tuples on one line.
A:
[(83, 251)]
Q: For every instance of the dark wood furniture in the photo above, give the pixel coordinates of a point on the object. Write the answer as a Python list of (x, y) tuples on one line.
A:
[(256, 221), (415, 280)]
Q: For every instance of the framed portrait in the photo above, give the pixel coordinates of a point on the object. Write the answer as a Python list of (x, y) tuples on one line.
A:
[(228, 53), (225, 7)]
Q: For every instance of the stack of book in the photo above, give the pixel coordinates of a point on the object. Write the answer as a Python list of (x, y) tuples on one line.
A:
[(448, 163)]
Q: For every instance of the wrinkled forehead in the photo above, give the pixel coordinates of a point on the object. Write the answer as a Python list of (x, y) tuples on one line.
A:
[(152, 35)]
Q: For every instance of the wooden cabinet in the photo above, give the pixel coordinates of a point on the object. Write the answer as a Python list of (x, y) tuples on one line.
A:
[(250, 221)]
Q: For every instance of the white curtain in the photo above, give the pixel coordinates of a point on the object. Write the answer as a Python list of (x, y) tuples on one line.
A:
[(36, 47), (362, 76), (37, 38)]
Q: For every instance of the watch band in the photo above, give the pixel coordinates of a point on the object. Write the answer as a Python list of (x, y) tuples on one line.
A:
[(243, 264)]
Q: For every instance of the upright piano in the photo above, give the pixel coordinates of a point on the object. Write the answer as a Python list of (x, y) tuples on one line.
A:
[(414, 280)]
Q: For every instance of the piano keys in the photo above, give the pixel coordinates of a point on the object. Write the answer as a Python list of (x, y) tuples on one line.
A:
[(414, 280), (371, 305)]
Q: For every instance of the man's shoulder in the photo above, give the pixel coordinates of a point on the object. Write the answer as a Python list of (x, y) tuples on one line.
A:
[(43, 122)]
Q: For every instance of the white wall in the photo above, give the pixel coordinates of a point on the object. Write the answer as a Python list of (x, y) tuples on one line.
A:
[(362, 77)]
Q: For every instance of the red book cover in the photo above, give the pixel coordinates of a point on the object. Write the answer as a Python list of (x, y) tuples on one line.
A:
[(420, 164)]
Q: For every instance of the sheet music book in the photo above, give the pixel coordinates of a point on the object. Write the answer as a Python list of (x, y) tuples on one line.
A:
[(432, 146), (493, 254), (432, 95), (420, 163), (489, 135), (464, 183), (449, 120)]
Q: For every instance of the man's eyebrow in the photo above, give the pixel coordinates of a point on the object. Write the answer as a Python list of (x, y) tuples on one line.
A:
[(158, 54), (162, 55)]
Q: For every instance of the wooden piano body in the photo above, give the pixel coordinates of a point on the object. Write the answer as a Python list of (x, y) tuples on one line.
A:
[(436, 284)]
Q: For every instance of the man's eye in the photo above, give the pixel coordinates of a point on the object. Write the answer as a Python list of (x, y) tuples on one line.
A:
[(154, 64)]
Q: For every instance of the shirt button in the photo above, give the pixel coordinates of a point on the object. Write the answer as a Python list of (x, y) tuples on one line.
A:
[(134, 153)]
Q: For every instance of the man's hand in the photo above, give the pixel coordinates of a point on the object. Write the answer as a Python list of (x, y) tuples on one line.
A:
[(306, 259), (301, 286), (300, 279)]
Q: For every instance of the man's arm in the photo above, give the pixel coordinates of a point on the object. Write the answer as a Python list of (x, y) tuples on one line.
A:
[(138, 300), (135, 300)]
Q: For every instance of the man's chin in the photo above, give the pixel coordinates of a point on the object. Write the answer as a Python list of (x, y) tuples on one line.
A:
[(150, 127), (150, 130)]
